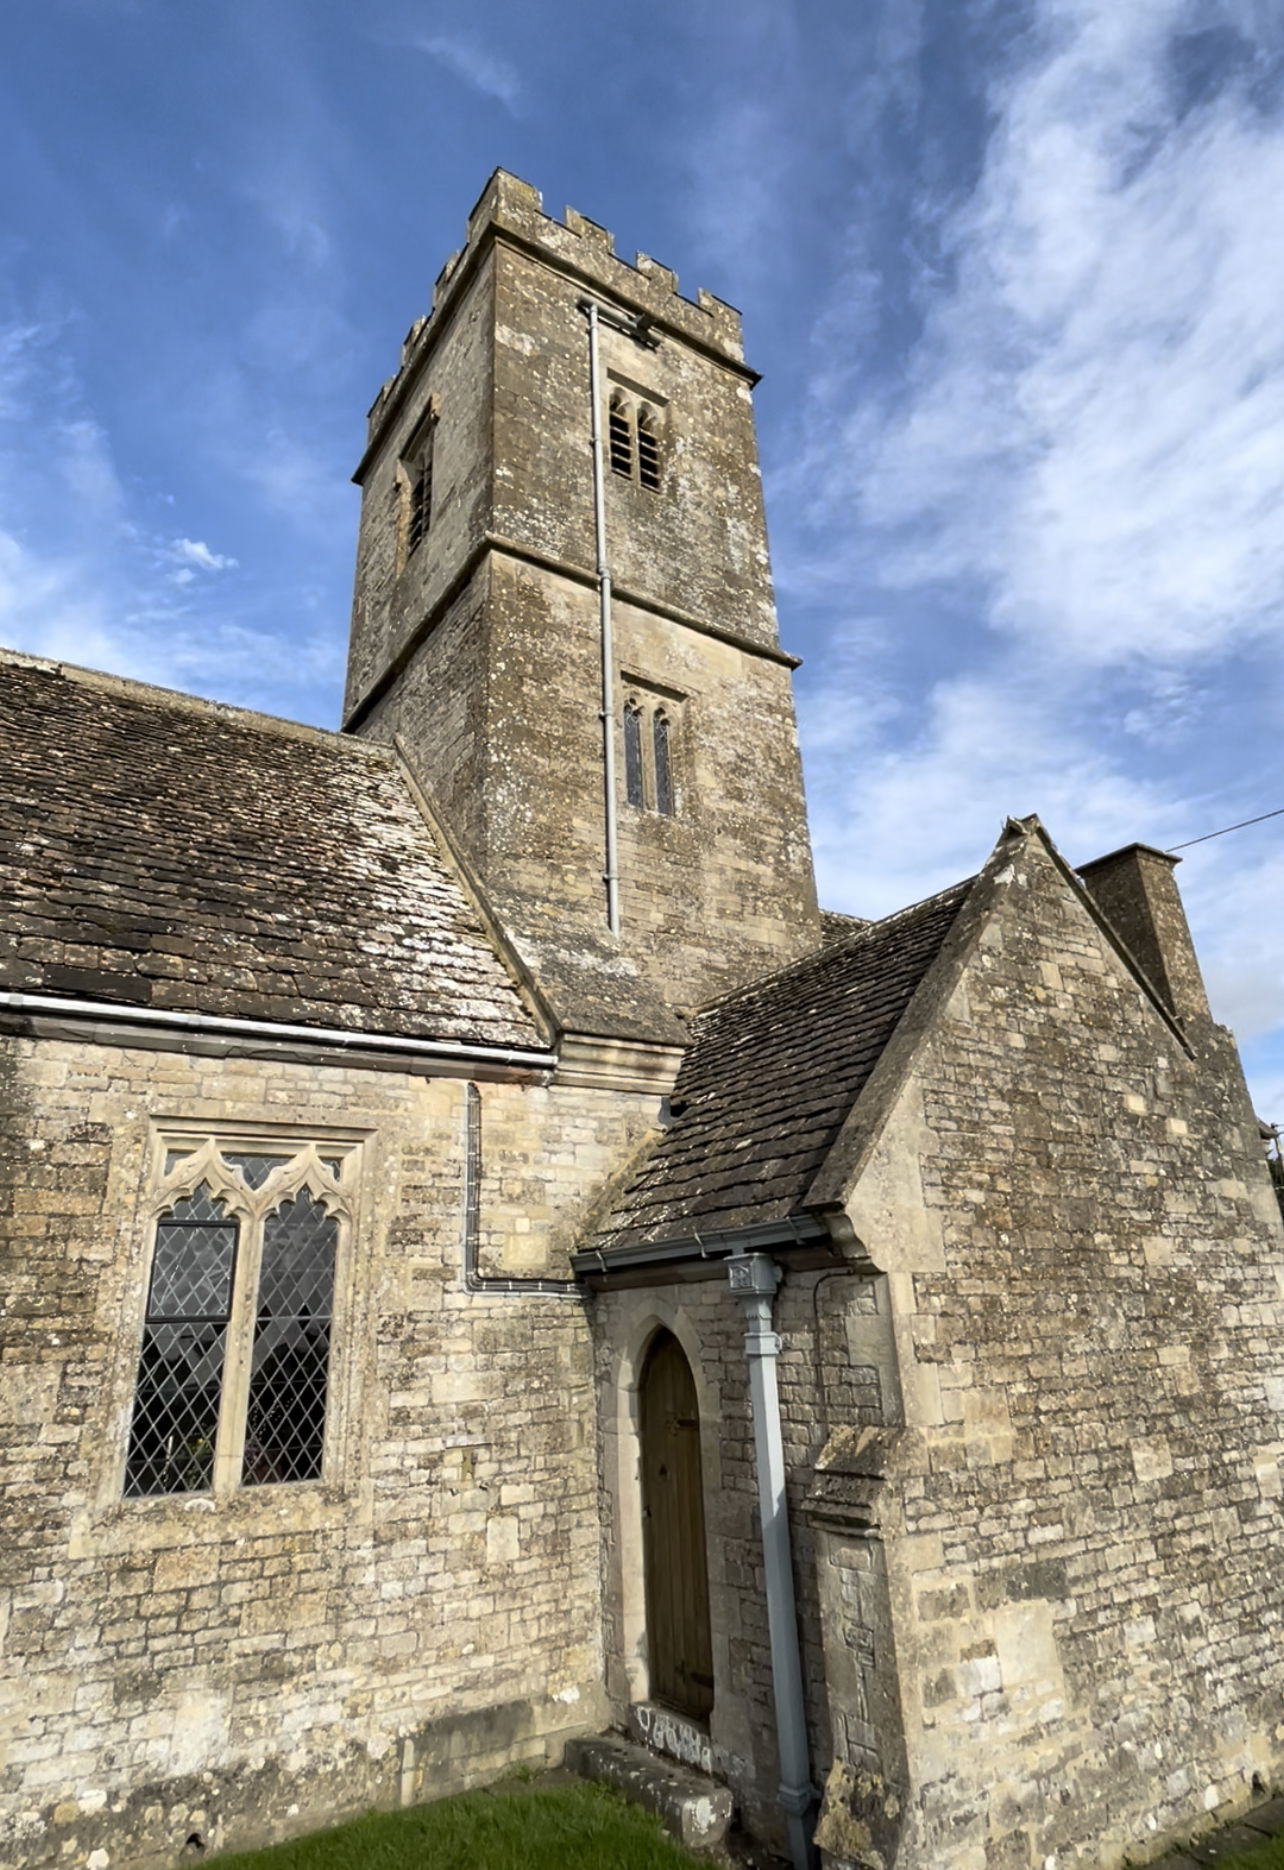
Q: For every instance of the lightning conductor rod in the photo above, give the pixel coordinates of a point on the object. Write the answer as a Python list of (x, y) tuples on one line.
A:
[(637, 328)]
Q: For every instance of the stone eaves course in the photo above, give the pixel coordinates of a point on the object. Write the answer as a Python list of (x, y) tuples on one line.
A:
[(184, 856), (770, 1076)]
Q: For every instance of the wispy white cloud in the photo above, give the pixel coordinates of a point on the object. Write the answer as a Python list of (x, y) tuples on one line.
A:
[(1082, 470), (740, 185), (21, 343), (87, 469), (86, 578), (190, 557), (903, 814), (287, 191), (483, 70), (785, 120), (103, 615), (196, 552), (1094, 424)]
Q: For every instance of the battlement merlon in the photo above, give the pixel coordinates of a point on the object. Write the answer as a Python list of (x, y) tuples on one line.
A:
[(510, 209)]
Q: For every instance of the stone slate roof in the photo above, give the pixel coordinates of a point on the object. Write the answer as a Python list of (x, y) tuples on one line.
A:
[(837, 925), (164, 852), (770, 1077)]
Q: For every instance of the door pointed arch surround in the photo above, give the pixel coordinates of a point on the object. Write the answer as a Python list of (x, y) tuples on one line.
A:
[(628, 1670)]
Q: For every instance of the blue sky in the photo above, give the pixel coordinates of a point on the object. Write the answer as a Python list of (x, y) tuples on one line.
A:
[(1012, 269)]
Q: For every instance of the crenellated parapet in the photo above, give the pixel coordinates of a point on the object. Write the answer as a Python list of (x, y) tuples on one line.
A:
[(511, 211)]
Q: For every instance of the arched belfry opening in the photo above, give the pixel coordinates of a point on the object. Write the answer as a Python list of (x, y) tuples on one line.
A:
[(675, 1561)]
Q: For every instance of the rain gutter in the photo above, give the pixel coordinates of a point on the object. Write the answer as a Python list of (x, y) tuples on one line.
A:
[(338, 1038)]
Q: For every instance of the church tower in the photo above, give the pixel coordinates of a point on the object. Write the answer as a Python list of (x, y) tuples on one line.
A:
[(479, 620)]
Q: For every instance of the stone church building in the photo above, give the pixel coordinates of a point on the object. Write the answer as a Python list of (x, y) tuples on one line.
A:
[(489, 1262)]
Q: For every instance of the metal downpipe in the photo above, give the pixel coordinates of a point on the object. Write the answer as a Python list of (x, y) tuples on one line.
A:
[(753, 1278), (611, 873)]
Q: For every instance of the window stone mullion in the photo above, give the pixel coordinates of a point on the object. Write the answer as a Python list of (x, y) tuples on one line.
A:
[(229, 1452)]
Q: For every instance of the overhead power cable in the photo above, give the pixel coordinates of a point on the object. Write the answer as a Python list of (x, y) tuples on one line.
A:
[(1261, 820)]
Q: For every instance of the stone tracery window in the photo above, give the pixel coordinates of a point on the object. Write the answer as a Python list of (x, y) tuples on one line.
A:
[(649, 736), (234, 1373)]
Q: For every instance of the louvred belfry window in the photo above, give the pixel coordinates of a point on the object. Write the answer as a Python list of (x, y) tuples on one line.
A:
[(414, 478), (234, 1373), (620, 433), (633, 440), (648, 449), (420, 513)]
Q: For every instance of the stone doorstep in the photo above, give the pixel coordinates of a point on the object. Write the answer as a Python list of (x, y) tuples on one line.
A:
[(1268, 1818), (659, 1730), (1252, 1830), (695, 1810)]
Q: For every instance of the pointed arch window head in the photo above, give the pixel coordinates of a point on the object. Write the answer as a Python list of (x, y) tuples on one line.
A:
[(234, 1371)]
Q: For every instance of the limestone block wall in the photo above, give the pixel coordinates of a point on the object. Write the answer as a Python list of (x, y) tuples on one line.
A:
[(1076, 1585), (481, 649), (499, 711), (828, 1374), (244, 1666), (699, 543), (395, 590)]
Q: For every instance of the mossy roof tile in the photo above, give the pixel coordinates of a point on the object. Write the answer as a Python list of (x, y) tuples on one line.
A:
[(771, 1073), (160, 851)]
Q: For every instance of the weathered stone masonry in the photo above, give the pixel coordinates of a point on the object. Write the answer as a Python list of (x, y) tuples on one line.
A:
[(1080, 1519), (1031, 1359), (180, 1666), (480, 650), (820, 1385)]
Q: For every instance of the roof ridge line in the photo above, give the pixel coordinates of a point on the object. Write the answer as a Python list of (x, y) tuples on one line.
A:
[(924, 902), (854, 939), (179, 699), (869, 1110)]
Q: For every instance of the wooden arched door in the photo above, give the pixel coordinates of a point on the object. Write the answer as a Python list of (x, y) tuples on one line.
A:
[(679, 1650)]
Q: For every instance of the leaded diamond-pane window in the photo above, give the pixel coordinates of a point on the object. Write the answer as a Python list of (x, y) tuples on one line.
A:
[(286, 1425), (234, 1370), (180, 1371)]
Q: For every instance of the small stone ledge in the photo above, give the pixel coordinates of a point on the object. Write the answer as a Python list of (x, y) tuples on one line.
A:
[(694, 1809)]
